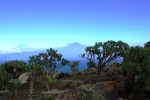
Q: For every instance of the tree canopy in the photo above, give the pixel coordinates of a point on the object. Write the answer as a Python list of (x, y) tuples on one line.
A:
[(147, 45), (104, 52), (137, 63), (50, 60), (15, 68)]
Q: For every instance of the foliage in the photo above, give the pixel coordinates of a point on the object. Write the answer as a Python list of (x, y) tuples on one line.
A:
[(50, 95), (51, 80), (113, 72), (70, 84), (90, 65), (147, 45), (137, 63), (4, 79), (15, 68), (51, 61), (74, 67), (14, 83), (63, 75), (101, 54), (36, 71), (86, 92)]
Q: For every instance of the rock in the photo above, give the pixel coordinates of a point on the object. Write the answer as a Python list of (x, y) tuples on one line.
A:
[(24, 77)]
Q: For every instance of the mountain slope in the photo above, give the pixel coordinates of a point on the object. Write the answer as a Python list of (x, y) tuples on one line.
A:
[(70, 52)]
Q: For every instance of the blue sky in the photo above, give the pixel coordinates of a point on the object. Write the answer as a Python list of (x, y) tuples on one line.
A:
[(55, 23)]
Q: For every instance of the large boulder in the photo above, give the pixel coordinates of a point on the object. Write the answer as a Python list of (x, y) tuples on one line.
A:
[(24, 77)]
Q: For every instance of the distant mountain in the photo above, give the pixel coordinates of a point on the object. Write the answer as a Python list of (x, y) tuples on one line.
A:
[(23, 47), (72, 51), (22, 52), (18, 55)]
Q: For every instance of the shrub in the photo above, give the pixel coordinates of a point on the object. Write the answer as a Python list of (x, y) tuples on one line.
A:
[(14, 83), (4, 79), (63, 75), (51, 80), (70, 84), (87, 92), (50, 95)]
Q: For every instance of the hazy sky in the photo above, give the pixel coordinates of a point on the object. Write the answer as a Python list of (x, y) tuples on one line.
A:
[(54, 23)]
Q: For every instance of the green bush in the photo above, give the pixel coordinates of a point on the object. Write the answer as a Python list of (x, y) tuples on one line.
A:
[(51, 80), (4, 79), (50, 95), (87, 92), (137, 63), (70, 84), (14, 83), (63, 75), (15, 68)]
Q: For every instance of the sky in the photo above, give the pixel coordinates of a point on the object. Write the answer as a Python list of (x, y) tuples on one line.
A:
[(56, 23)]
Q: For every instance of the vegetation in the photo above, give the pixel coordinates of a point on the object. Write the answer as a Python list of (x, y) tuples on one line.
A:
[(15, 68), (63, 75), (129, 79), (4, 79), (51, 61), (147, 45), (74, 67), (137, 63), (9, 72), (101, 54)]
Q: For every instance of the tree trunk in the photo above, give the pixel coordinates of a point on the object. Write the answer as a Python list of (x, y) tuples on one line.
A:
[(31, 90), (118, 71), (31, 86), (99, 71), (74, 75), (47, 86)]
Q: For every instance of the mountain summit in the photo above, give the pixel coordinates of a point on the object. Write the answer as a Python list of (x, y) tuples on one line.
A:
[(75, 44), (71, 51)]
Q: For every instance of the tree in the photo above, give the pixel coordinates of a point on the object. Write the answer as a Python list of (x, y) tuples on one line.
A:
[(50, 60), (117, 66), (14, 83), (147, 45), (101, 54), (15, 68), (35, 72), (4, 79), (137, 63), (74, 67)]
